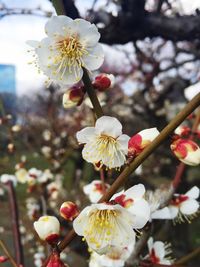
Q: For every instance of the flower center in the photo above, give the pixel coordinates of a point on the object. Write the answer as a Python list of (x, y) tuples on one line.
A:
[(101, 226), (71, 48)]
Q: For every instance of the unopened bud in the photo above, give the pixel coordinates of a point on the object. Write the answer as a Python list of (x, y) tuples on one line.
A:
[(186, 151), (48, 228), (141, 140), (73, 97), (69, 211), (16, 128), (182, 130), (11, 148), (103, 81), (3, 259)]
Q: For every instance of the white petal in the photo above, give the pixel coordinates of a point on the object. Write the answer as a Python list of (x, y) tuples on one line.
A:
[(173, 211), (108, 126), (56, 23), (141, 213), (85, 135), (123, 142), (149, 134), (189, 206), (165, 262), (136, 191), (150, 244), (193, 192), (162, 214), (88, 33), (81, 222), (90, 154), (94, 59), (33, 43), (192, 158), (159, 248)]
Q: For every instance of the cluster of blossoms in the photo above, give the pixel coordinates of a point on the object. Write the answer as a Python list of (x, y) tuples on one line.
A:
[(70, 48)]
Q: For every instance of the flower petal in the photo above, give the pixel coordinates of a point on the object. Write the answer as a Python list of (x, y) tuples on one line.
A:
[(107, 125), (189, 207), (88, 33), (55, 25), (173, 211), (149, 134), (193, 192), (81, 222), (136, 191), (161, 214), (159, 248), (94, 58), (150, 244), (123, 142), (85, 135), (141, 213)]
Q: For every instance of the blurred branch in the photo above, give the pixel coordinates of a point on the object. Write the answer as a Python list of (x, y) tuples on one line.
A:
[(189, 256), (4, 248), (6, 11), (15, 223)]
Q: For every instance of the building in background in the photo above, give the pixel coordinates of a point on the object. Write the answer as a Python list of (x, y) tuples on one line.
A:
[(8, 87)]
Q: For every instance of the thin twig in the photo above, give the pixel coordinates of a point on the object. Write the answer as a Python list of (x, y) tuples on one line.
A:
[(102, 177), (189, 256), (15, 223), (4, 248), (91, 93)]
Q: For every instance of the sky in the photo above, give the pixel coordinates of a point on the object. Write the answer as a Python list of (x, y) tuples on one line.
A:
[(17, 29)]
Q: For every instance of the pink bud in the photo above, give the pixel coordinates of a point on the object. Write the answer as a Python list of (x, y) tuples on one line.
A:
[(182, 130), (141, 140), (103, 81), (3, 259), (73, 97), (186, 151), (69, 211)]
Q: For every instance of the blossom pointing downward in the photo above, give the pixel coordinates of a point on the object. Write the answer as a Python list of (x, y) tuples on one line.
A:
[(183, 207), (69, 46), (159, 252), (48, 228), (104, 143)]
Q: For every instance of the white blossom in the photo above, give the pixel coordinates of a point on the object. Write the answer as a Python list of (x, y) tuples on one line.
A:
[(104, 143), (69, 46)]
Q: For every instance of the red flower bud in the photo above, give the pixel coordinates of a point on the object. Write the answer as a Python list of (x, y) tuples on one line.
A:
[(73, 97), (103, 81), (69, 211), (3, 259), (186, 151)]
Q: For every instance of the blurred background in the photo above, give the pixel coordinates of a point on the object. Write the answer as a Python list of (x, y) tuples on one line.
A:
[(152, 49)]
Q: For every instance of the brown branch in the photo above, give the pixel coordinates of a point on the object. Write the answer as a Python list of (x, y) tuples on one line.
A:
[(189, 108), (7, 253), (189, 256), (15, 223), (91, 93)]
